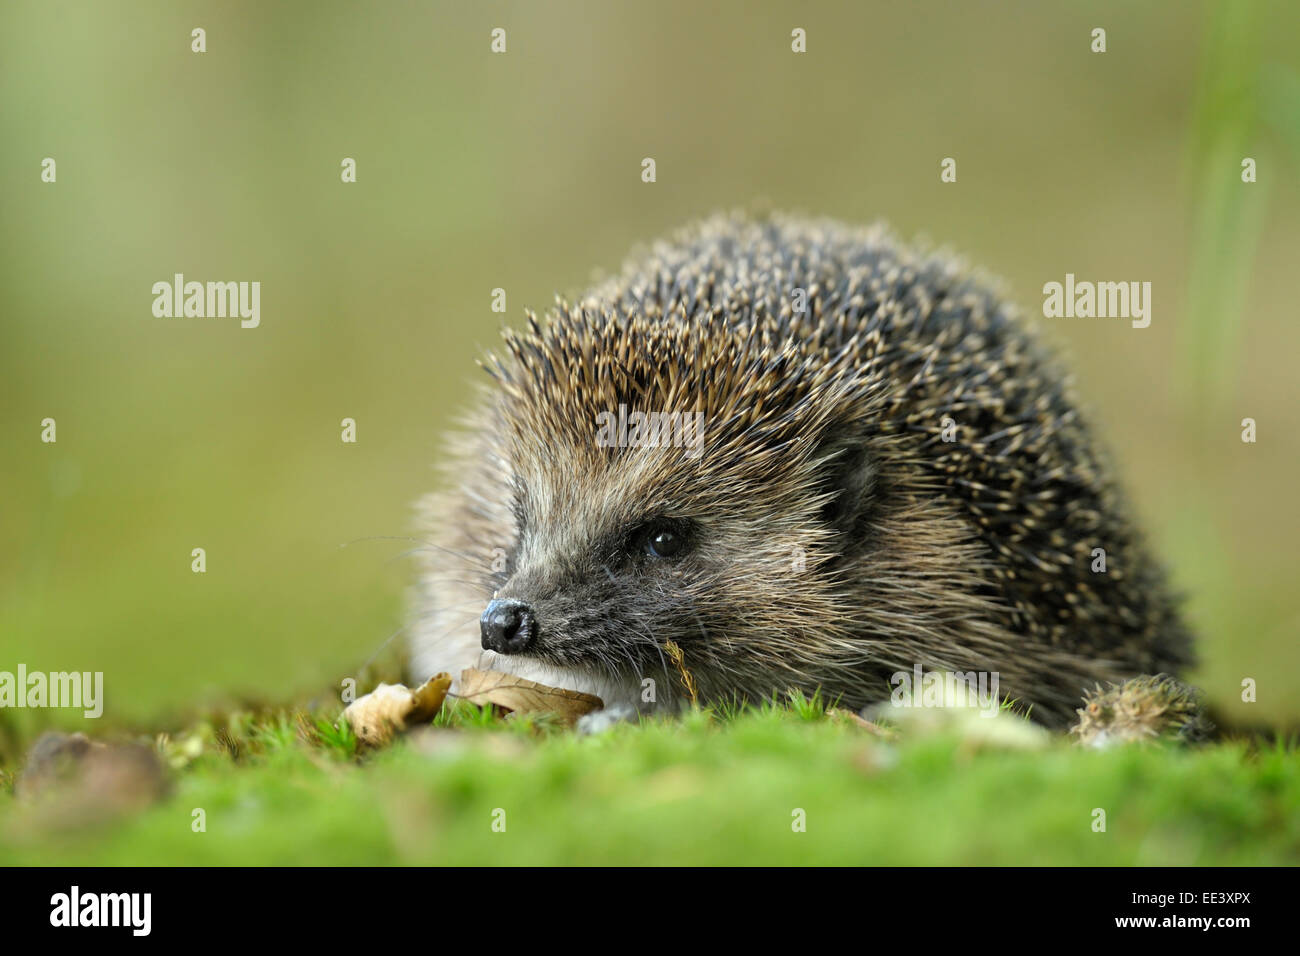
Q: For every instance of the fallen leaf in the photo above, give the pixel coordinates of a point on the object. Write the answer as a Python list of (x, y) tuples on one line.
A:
[(524, 696), (390, 708)]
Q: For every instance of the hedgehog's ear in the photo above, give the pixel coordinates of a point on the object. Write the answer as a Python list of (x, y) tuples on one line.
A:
[(847, 472)]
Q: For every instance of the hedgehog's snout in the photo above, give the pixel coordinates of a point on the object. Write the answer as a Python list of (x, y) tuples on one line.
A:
[(508, 626)]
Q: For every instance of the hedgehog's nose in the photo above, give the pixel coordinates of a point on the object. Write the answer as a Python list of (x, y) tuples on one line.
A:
[(508, 627)]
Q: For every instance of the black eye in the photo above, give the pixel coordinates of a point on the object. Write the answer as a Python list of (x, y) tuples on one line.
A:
[(664, 543)]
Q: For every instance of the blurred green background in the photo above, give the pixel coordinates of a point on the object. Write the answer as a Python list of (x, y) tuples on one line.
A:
[(522, 171)]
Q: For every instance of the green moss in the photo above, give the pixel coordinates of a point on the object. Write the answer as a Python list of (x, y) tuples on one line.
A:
[(702, 790)]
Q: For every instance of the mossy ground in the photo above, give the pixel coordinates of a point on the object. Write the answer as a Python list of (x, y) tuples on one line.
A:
[(285, 787)]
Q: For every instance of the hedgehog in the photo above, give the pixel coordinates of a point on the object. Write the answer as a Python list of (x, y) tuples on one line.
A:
[(777, 454)]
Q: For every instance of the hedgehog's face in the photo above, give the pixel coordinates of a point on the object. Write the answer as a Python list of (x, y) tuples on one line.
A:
[(619, 559)]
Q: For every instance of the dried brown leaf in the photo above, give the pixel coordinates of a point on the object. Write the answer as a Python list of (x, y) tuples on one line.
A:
[(524, 696), (390, 708)]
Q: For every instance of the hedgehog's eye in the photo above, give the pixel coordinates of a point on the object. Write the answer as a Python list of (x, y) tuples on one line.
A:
[(662, 542)]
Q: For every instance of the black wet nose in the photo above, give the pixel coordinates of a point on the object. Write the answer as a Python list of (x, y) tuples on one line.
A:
[(508, 627)]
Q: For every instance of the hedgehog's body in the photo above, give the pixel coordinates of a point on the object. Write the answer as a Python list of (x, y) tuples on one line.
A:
[(891, 473)]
